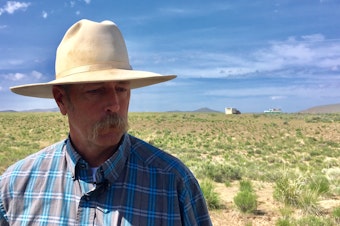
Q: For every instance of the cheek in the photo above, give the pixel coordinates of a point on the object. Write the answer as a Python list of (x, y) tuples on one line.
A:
[(81, 124), (124, 109), (126, 105), (127, 102), (80, 117)]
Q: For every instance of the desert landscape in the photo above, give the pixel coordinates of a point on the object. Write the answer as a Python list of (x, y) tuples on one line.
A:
[(254, 169)]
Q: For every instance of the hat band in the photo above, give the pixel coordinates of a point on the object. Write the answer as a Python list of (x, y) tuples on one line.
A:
[(94, 67)]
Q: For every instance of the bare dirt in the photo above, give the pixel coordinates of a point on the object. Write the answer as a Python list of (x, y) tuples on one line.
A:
[(268, 210)]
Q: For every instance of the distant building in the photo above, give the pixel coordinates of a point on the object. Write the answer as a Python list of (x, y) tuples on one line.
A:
[(230, 111), (273, 111)]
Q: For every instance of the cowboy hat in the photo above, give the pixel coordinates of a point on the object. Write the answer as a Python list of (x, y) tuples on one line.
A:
[(92, 52)]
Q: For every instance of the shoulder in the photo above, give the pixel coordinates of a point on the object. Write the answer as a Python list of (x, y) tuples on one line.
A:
[(34, 161), (156, 158), (190, 196)]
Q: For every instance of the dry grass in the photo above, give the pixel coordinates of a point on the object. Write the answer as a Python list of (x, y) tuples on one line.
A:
[(258, 147)]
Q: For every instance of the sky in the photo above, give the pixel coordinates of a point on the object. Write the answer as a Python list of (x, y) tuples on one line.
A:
[(251, 55)]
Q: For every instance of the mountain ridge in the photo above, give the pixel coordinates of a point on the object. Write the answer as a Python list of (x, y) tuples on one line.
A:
[(330, 108)]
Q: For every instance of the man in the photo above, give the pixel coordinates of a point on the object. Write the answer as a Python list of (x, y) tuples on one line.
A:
[(99, 175)]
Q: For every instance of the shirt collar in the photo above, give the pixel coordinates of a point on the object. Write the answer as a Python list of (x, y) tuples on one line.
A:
[(109, 170)]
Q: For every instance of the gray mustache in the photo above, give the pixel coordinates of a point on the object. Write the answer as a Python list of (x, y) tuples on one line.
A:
[(111, 121)]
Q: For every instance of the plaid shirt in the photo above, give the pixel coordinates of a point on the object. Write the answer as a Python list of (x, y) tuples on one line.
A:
[(138, 185)]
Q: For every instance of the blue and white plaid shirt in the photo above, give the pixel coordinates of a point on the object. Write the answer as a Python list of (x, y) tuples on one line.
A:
[(138, 185)]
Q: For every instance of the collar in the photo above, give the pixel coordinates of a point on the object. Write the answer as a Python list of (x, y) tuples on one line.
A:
[(109, 170)]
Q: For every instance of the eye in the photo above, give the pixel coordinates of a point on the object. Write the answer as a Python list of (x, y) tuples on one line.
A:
[(121, 89), (95, 91)]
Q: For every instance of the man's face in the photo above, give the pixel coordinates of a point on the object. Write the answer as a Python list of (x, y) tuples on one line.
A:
[(97, 113)]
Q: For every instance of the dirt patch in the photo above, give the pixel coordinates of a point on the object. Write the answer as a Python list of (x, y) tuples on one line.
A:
[(268, 210)]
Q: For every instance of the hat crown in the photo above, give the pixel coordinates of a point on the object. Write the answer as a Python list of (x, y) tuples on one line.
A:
[(88, 44)]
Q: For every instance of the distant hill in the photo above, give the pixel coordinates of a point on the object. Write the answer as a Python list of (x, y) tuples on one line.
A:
[(43, 110), (8, 111), (206, 110), (200, 110), (35, 110), (331, 108)]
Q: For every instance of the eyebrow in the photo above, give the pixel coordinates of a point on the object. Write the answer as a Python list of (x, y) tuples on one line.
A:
[(124, 82)]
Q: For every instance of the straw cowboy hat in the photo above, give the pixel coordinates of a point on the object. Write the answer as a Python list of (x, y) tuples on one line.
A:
[(92, 52)]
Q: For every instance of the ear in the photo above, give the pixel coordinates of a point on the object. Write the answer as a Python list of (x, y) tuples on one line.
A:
[(60, 98)]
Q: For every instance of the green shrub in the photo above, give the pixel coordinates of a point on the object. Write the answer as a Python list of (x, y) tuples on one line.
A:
[(320, 184), (246, 201), (313, 220), (284, 222), (211, 197), (287, 190), (286, 211), (245, 185), (308, 202), (220, 173), (296, 191), (336, 214)]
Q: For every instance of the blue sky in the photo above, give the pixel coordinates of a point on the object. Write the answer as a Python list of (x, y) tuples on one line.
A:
[(252, 55)]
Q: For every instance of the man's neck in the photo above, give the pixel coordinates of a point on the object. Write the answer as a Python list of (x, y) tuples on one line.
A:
[(95, 155)]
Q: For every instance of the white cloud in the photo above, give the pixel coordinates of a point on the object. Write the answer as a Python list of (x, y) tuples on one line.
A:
[(12, 6), (312, 51), (325, 1), (6, 64), (196, 9), (293, 55), (314, 37), (3, 27), (44, 14), (18, 76), (72, 4), (305, 56), (15, 62), (176, 11), (296, 53), (279, 92), (36, 74), (15, 76), (277, 97), (244, 92)]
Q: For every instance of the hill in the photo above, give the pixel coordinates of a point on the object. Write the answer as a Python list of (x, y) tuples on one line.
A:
[(35, 110), (331, 108), (202, 110)]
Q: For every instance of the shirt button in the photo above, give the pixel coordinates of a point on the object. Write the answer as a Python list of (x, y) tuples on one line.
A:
[(83, 166)]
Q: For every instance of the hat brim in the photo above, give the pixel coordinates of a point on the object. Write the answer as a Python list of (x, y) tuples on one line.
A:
[(136, 79)]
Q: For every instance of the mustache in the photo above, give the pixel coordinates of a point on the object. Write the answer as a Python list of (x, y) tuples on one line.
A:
[(111, 121)]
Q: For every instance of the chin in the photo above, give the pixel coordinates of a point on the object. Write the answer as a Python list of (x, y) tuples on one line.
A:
[(112, 138)]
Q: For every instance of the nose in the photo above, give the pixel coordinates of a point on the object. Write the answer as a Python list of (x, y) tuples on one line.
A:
[(112, 101)]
